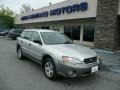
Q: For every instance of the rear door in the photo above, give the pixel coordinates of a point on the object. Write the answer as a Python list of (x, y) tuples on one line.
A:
[(25, 41)]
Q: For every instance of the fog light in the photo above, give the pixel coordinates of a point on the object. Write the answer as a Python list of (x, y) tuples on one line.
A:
[(72, 74)]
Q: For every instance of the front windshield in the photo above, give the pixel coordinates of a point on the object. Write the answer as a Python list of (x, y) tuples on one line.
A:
[(12, 30), (1, 30), (16, 30), (52, 38)]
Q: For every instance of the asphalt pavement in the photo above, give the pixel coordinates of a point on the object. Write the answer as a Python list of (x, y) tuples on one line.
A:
[(28, 75), (110, 60)]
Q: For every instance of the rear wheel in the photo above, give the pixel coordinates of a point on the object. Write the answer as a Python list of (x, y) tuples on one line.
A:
[(49, 69), (14, 38), (19, 53)]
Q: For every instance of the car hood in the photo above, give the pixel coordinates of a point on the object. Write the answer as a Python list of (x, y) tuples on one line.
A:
[(72, 50)]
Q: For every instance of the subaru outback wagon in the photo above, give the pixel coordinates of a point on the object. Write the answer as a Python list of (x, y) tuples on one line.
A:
[(56, 53)]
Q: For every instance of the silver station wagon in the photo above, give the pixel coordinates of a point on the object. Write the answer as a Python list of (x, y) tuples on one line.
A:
[(56, 53)]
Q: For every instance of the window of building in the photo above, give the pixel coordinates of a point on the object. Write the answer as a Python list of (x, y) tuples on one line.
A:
[(45, 27), (68, 31), (76, 32), (72, 32), (88, 33), (56, 29), (37, 27)]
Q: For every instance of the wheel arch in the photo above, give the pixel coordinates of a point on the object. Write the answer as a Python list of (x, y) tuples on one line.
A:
[(17, 46), (47, 56)]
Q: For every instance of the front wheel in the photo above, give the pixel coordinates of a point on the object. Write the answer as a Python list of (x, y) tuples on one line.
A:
[(49, 69)]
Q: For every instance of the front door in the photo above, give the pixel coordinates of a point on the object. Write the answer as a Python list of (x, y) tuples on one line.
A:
[(36, 49)]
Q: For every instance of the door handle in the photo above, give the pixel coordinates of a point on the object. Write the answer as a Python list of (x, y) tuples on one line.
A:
[(29, 44)]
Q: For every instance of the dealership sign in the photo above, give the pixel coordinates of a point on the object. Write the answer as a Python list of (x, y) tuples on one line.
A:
[(68, 9)]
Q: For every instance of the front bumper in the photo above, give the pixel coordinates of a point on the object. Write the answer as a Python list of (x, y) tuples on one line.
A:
[(76, 70)]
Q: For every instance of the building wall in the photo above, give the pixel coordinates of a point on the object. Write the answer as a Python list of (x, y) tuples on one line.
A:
[(90, 12), (106, 25)]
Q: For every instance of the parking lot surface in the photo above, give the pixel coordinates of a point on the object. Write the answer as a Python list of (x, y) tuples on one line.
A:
[(28, 75), (110, 60)]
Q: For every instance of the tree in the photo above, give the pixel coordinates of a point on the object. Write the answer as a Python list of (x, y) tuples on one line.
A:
[(6, 11), (25, 8), (6, 17)]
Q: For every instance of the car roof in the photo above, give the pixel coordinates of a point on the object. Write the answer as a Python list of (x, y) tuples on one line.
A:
[(16, 29), (39, 30)]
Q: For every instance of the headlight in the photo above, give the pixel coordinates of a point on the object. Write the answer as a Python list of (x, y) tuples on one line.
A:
[(71, 60)]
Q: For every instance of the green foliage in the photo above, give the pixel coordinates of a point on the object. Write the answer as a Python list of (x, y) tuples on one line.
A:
[(6, 17), (6, 11), (6, 22)]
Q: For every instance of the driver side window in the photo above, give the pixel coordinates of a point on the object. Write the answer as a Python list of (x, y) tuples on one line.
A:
[(35, 37)]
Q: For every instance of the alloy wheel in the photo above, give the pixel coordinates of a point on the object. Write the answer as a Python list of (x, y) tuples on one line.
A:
[(49, 69)]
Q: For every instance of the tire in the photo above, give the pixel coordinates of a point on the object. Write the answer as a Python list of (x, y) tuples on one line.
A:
[(14, 38), (19, 53), (49, 69)]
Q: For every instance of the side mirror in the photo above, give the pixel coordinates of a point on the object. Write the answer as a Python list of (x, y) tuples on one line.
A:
[(37, 41)]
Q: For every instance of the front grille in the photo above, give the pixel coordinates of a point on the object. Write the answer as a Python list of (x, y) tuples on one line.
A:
[(90, 60)]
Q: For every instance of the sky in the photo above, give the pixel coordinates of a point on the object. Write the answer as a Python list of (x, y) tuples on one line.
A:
[(15, 5)]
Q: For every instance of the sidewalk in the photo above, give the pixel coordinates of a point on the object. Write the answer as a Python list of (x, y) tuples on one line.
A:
[(111, 60)]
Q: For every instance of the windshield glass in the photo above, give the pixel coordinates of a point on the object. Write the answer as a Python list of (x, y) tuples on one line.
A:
[(12, 30), (16, 30), (52, 38), (1, 30)]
